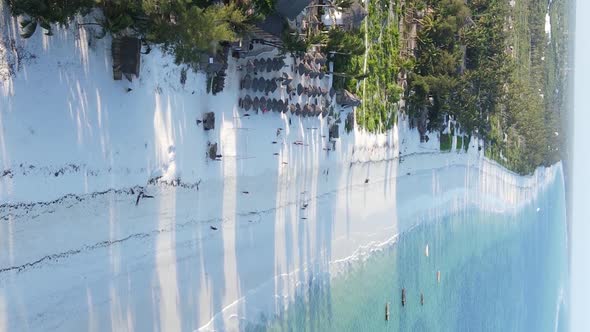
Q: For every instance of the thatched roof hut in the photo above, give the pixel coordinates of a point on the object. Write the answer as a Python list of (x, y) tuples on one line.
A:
[(209, 121), (126, 57), (347, 99)]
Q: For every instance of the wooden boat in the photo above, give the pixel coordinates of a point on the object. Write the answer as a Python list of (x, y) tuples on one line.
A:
[(403, 297)]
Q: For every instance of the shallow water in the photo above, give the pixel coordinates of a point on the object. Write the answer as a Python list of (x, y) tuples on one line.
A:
[(499, 272)]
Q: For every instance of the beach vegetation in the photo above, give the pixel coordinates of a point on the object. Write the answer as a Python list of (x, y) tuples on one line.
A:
[(466, 141), (489, 75), (446, 142), (186, 29), (374, 63), (44, 13)]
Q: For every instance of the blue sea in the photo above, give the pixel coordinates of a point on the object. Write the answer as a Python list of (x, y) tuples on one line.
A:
[(498, 272)]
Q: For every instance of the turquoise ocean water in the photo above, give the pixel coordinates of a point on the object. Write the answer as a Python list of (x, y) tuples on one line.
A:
[(499, 272)]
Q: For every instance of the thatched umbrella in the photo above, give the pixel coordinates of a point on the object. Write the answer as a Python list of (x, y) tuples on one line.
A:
[(301, 68), (263, 103), (297, 109), (325, 112), (292, 108), (318, 110), (273, 86), (261, 84), (255, 104), (320, 59), (261, 64), (332, 92), (306, 110), (264, 84), (312, 109), (287, 81), (269, 104), (255, 84), (321, 75), (256, 63), (281, 105), (318, 91), (323, 91), (290, 88), (247, 102), (275, 106), (247, 82), (274, 64), (250, 66), (267, 86), (278, 64), (269, 65), (300, 89)]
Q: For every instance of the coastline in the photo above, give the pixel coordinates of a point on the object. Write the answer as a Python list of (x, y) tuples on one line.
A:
[(115, 264)]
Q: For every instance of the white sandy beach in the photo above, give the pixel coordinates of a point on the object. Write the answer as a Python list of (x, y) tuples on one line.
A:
[(77, 253)]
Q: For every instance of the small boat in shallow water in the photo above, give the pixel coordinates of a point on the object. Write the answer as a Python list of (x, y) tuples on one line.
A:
[(387, 311), (403, 297), (426, 251)]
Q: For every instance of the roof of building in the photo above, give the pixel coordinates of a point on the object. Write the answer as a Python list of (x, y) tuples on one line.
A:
[(354, 15), (126, 56), (291, 8), (130, 55), (273, 24)]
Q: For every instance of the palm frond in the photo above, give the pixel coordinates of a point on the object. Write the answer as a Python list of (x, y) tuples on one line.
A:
[(28, 27)]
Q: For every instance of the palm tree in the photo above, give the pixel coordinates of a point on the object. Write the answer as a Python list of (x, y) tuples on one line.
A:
[(43, 13), (235, 17), (29, 26)]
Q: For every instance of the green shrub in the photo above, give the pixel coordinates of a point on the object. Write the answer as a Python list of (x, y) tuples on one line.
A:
[(446, 141)]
